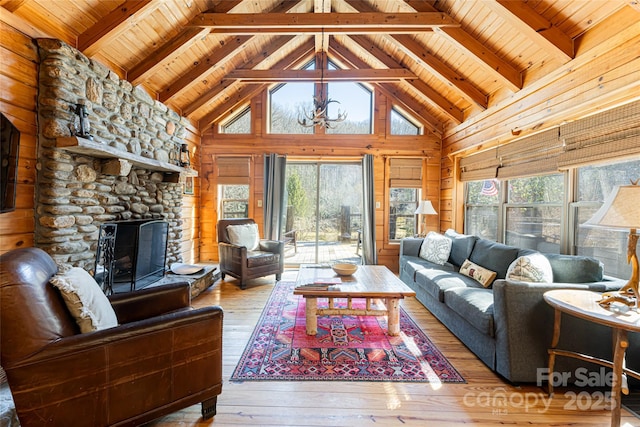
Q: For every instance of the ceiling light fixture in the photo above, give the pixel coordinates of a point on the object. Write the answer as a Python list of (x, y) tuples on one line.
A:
[(318, 116)]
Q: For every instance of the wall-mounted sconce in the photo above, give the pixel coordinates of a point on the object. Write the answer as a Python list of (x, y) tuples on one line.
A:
[(185, 160), (81, 124)]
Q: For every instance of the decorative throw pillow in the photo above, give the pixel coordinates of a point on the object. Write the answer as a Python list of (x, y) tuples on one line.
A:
[(435, 248), (244, 235), (531, 268), (480, 274), (85, 300)]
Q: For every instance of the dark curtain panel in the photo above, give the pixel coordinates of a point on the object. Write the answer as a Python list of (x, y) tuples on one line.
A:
[(274, 194), (369, 254)]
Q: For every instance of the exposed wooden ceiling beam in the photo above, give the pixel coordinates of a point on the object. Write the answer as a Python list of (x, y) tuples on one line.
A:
[(485, 56), (13, 5), (112, 25), (432, 96), (330, 23), (419, 53), (220, 55), (360, 75), (390, 90), (294, 59), (527, 21), (439, 69), (223, 84), (174, 47), (156, 60), (230, 48)]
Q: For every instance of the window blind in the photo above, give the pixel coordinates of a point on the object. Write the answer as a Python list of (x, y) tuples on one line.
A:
[(534, 155), (479, 166), (233, 170), (610, 135), (405, 172)]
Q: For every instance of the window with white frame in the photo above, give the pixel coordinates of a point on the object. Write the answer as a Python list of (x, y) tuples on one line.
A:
[(594, 184), (482, 208), (234, 201), (405, 183), (403, 202), (533, 213)]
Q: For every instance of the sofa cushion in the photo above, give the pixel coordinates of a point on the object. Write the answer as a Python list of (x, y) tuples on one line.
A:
[(258, 258), (411, 264), (475, 305), (531, 268), (575, 268), (244, 235), (435, 248), (86, 302), (493, 256), (483, 275), (461, 246), (437, 280)]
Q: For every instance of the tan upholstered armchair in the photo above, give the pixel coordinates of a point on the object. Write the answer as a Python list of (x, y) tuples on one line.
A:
[(163, 355), (245, 261)]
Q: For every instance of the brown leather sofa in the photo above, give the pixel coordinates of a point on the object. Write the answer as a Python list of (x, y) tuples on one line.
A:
[(243, 264), (163, 356)]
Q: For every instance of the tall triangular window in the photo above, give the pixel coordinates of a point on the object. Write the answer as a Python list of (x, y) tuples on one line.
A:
[(401, 124)]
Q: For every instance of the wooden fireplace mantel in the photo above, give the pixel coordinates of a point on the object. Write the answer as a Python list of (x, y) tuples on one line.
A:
[(87, 147)]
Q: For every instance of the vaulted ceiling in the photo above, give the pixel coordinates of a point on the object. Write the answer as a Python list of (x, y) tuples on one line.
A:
[(444, 61)]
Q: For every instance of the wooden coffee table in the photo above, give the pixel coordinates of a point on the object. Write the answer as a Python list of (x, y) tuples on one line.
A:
[(370, 282)]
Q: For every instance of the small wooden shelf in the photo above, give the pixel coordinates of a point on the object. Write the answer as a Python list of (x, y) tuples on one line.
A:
[(87, 147)]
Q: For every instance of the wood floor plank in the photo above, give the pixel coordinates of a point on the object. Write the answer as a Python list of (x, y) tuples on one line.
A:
[(484, 400)]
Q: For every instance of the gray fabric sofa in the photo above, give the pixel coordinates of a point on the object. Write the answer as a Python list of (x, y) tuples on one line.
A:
[(508, 325)]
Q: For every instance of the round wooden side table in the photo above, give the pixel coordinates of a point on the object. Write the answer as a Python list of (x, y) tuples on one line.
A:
[(584, 305)]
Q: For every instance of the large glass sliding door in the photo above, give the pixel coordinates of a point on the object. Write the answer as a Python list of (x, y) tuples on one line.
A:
[(323, 212)]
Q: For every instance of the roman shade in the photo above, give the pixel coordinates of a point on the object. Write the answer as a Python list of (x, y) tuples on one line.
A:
[(405, 172), (233, 170), (534, 155), (480, 166), (611, 135), (608, 136)]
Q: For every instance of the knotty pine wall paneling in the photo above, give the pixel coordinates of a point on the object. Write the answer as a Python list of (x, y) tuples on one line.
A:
[(605, 73), (18, 92), (190, 242)]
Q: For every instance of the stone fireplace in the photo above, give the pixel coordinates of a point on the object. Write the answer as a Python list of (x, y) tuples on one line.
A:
[(129, 171)]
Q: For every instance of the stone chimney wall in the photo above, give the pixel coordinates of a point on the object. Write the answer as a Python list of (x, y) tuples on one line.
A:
[(76, 193)]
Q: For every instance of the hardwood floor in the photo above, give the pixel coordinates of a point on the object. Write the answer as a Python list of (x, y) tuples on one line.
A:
[(485, 400)]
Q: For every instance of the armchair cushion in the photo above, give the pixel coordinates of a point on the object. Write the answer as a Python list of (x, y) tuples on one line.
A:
[(244, 235), (86, 302), (258, 258)]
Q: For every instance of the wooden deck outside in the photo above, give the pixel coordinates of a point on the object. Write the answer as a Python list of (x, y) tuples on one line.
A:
[(327, 252)]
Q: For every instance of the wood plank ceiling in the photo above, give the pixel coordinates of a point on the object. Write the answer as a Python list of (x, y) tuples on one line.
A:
[(443, 60)]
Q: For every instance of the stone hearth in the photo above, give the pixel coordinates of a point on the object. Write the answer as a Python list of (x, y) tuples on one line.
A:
[(78, 191)]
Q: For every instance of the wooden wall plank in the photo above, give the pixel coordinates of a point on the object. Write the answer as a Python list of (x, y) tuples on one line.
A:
[(18, 103)]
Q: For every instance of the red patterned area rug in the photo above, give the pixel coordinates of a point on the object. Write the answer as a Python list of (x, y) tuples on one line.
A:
[(346, 348)]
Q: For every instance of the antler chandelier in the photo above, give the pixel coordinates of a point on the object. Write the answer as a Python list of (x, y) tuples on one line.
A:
[(318, 115)]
